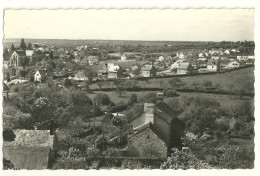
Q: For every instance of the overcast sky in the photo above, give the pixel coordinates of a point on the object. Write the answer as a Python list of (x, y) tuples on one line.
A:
[(171, 25)]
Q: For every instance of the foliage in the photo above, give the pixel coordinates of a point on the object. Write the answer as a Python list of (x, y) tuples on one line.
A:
[(149, 98), (171, 93), (135, 111), (22, 45), (200, 115), (133, 99), (23, 73), (182, 160), (207, 84), (176, 82), (67, 83), (15, 119), (102, 99)]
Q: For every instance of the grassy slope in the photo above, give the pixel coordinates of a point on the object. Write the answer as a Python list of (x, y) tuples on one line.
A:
[(238, 78)]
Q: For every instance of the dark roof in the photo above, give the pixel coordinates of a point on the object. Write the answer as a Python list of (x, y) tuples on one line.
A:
[(31, 158), (143, 127), (166, 112), (21, 52), (213, 62)]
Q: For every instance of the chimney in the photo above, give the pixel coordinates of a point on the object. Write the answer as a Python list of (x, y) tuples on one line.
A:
[(149, 112)]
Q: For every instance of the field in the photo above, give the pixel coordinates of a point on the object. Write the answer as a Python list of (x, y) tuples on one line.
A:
[(240, 79), (224, 100)]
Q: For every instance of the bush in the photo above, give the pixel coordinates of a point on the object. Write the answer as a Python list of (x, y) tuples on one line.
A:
[(171, 93), (16, 89), (165, 91)]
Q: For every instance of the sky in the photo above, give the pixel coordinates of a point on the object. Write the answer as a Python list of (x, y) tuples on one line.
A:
[(168, 25)]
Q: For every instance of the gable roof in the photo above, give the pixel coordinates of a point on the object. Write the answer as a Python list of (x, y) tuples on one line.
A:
[(213, 62), (42, 72), (114, 68), (20, 52), (183, 65), (27, 157), (32, 138), (166, 112), (146, 67)]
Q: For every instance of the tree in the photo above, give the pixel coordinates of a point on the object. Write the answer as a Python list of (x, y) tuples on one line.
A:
[(182, 160), (60, 65), (230, 88), (24, 61), (207, 84), (16, 119), (22, 45), (12, 48), (102, 99), (161, 83), (6, 54), (89, 73), (8, 79), (67, 83), (119, 91), (133, 99), (195, 84), (29, 46), (23, 73), (100, 84), (240, 93), (42, 110), (116, 82), (149, 98), (171, 93), (176, 82)]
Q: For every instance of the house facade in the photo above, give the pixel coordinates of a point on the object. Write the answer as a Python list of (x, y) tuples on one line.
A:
[(184, 68), (161, 121), (115, 71), (40, 75), (213, 65), (15, 57), (148, 70), (233, 64)]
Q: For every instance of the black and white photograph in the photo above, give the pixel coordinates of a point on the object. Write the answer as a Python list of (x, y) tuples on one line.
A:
[(128, 89)]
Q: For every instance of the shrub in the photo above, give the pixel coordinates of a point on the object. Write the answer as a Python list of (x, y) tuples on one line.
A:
[(171, 93)]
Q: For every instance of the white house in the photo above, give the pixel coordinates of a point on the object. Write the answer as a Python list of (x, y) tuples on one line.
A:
[(227, 52), (161, 58), (6, 64), (234, 50), (213, 65), (233, 64), (123, 57), (175, 64), (181, 56), (184, 68), (115, 71), (80, 76), (215, 57), (29, 54), (40, 75), (201, 55)]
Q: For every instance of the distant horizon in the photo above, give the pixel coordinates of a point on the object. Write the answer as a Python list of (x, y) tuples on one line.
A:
[(129, 40)]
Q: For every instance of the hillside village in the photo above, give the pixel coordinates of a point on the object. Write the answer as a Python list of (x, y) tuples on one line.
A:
[(108, 106)]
